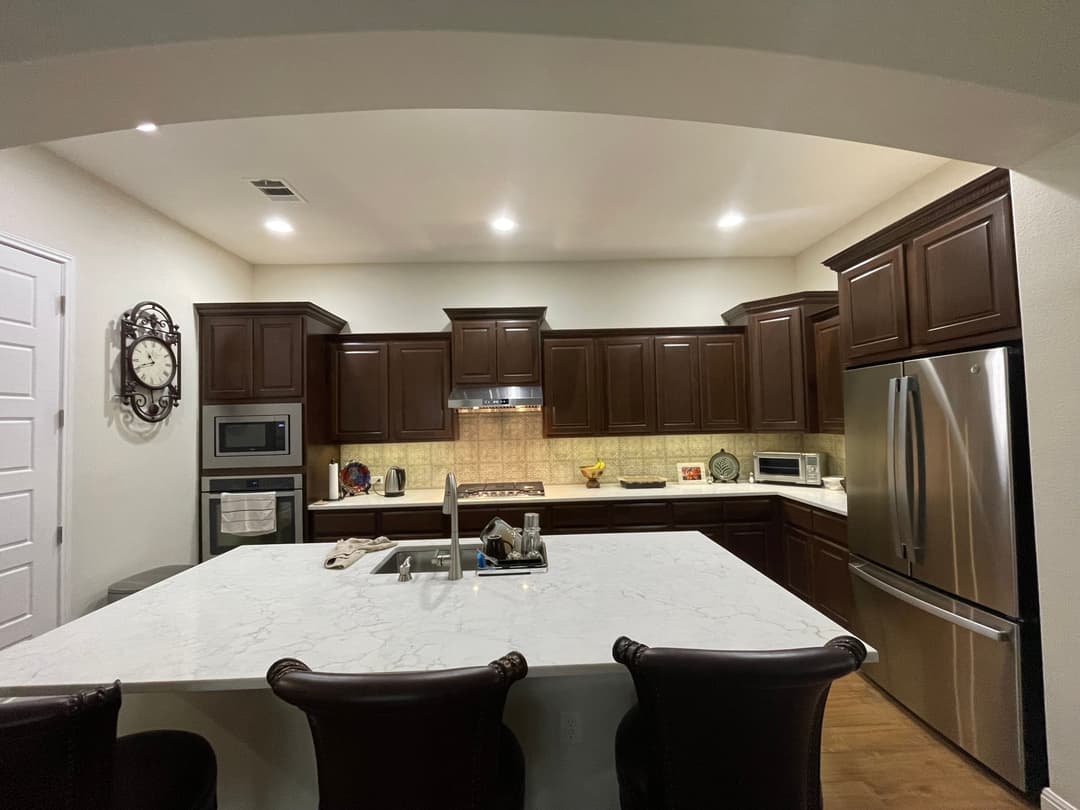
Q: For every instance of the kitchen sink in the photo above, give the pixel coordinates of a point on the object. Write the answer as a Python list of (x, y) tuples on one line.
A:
[(423, 559)]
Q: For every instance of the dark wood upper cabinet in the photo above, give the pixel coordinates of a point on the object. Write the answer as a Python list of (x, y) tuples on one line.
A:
[(475, 352), (678, 400), (941, 279), (963, 276), (358, 385), (496, 346), (418, 391), (517, 352), (628, 384), (722, 383), (829, 379), (570, 387), (873, 305), (777, 372), (225, 358), (278, 358)]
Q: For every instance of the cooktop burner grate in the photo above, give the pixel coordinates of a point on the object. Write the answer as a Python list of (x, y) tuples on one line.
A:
[(500, 489)]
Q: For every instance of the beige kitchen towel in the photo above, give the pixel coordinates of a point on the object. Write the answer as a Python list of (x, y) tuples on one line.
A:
[(346, 552), (248, 514)]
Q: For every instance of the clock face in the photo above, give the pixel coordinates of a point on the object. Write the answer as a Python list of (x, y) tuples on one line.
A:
[(152, 362)]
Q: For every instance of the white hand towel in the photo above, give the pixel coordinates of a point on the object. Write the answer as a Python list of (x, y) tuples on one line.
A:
[(248, 514), (346, 552)]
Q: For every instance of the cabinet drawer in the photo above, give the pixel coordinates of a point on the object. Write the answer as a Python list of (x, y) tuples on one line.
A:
[(738, 510), (798, 515), (579, 516), (652, 515), (474, 519), (693, 514), (831, 527), (414, 522), (332, 525)]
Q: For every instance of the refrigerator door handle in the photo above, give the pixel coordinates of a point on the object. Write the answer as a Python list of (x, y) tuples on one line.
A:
[(860, 570), (907, 387), (890, 461)]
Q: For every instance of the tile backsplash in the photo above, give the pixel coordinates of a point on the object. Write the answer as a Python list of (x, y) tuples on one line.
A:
[(511, 447)]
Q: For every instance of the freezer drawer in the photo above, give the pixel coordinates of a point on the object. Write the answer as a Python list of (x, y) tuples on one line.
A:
[(956, 667)]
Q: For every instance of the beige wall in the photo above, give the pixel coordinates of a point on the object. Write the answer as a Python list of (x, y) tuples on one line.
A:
[(1046, 211), (811, 274), (133, 490), (511, 447), (411, 297)]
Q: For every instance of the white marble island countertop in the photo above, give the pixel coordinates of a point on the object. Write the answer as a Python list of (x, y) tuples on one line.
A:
[(553, 493), (219, 625)]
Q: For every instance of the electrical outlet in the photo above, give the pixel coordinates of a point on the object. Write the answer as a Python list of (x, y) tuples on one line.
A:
[(376, 479), (570, 728)]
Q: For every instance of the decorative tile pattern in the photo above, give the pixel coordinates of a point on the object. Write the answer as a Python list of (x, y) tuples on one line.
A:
[(511, 446)]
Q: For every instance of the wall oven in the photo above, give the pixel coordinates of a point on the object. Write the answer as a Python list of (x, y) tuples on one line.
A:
[(788, 468), (289, 511), (252, 435)]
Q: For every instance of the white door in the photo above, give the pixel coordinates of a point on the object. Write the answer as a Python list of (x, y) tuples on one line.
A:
[(31, 326)]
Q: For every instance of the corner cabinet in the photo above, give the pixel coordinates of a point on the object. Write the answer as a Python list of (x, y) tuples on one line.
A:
[(783, 364), (257, 352), (941, 279), (385, 389), (829, 376)]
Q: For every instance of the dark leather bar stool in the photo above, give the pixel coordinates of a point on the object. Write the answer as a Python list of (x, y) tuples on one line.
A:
[(62, 753), (418, 740), (714, 729)]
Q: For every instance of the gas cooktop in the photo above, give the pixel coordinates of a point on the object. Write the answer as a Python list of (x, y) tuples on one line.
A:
[(501, 489)]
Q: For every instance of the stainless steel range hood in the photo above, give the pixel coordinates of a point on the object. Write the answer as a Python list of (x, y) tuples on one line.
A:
[(503, 396)]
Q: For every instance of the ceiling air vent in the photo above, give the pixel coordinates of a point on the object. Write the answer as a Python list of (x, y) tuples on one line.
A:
[(277, 190)]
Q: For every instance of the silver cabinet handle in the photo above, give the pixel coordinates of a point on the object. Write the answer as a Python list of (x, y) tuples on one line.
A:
[(993, 633)]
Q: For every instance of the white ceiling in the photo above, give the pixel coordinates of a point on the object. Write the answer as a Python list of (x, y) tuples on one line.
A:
[(421, 185)]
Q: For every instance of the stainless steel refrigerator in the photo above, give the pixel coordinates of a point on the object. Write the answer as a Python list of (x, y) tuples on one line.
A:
[(942, 565)]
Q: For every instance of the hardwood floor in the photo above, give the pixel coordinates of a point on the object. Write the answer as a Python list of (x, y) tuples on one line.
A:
[(874, 756)]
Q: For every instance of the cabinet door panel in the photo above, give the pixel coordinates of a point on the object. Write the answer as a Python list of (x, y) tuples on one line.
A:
[(279, 358), (874, 305), (570, 380), (517, 352), (797, 514), (831, 581), (474, 353), (412, 524), (830, 376), (723, 383), (748, 542), (567, 518), (799, 554), (419, 389), (358, 396), (335, 525), (678, 407), (226, 347), (629, 385), (777, 371), (963, 276), (641, 516)]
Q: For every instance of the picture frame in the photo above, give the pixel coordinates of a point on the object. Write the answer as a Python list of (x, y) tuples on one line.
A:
[(690, 472)]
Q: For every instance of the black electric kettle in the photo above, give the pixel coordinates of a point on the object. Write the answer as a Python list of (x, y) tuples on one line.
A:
[(394, 485)]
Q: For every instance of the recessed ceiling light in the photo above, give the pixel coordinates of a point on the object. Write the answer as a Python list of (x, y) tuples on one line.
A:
[(732, 219), (278, 225), (503, 224), (147, 126)]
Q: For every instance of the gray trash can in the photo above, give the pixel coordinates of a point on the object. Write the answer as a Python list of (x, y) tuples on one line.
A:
[(144, 579)]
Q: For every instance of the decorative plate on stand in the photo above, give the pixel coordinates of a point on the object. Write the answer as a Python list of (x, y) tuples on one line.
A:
[(724, 467), (355, 478)]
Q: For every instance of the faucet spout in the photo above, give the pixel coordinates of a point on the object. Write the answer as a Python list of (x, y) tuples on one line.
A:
[(450, 507)]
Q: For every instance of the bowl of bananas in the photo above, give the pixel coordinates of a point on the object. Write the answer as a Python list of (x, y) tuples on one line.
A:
[(592, 474)]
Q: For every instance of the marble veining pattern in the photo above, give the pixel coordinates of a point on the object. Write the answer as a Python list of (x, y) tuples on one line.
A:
[(221, 624)]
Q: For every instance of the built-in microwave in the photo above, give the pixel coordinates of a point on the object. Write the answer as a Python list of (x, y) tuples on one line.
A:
[(788, 468), (255, 435)]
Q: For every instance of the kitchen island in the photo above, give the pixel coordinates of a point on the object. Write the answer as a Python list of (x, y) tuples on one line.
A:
[(192, 651)]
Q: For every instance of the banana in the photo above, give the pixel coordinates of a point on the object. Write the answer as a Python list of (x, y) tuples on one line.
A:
[(597, 467)]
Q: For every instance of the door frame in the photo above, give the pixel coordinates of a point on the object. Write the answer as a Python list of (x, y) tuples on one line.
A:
[(65, 461)]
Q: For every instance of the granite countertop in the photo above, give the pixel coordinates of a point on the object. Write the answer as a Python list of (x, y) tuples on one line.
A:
[(219, 625), (812, 496)]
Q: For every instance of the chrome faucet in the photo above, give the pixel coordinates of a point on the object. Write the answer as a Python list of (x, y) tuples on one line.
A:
[(449, 507)]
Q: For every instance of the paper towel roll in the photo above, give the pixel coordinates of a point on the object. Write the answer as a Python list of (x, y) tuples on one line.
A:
[(335, 483)]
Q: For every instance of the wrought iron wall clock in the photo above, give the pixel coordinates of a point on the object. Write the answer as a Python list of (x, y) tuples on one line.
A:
[(149, 361)]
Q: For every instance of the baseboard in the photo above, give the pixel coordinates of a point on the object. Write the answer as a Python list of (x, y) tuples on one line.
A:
[(1051, 801)]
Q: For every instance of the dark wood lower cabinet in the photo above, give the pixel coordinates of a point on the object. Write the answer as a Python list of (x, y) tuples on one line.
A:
[(802, 548)]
